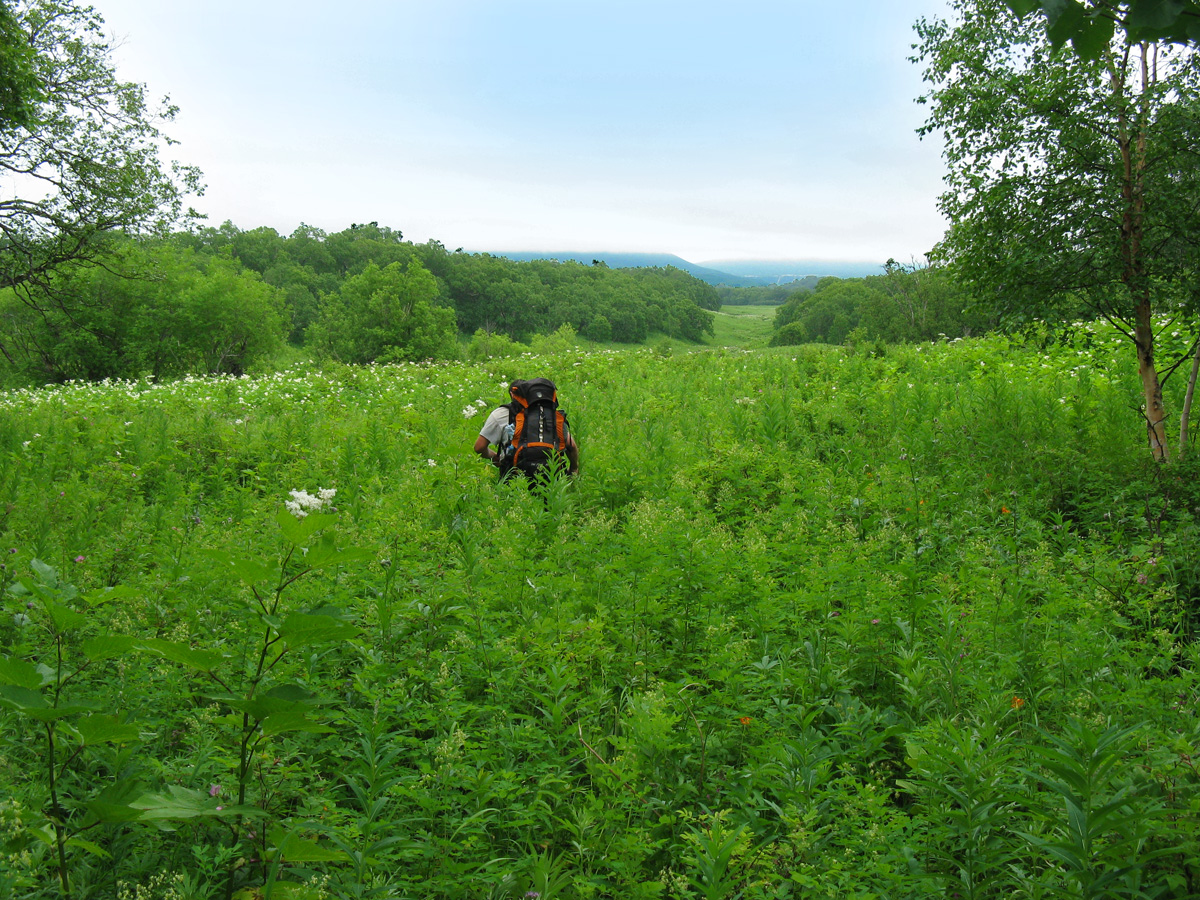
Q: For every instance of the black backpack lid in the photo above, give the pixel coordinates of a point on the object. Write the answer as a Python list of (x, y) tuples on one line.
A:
[(535, 389)]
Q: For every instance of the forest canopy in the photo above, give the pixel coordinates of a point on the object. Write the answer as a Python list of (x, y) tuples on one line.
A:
[(224, 300)]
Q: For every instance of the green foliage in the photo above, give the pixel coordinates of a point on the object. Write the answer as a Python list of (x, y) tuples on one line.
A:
[(385, 315), (82, 150), (485, 345), (905, 304), (1090, 26), (494, 294), (1071, 176), (561, 341), (810, 622), (19, 90), (765, 295), (152, 310)]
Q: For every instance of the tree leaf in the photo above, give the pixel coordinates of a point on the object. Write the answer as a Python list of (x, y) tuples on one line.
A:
[(305, 629), (1093, 37), (184, 803), (247, 571), (1153, 14), (1022, 7), (100, 729), (299, 531), (108, 594), (65, 618), (278, 723), (203, 660), (1064, 19), (109, 646), (296, 849), (94, 849), (34, 705), (20, 673)]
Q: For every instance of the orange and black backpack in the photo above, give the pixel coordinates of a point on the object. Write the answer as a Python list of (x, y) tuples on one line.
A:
[(538, 428)]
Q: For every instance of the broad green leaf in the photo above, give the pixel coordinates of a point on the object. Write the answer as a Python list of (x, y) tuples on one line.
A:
[(258, 708), (279, 723), (1093, 37), (325, 555), (113, 813), (94, 849), (109, 646), (295, 693), (105, 730), (108, 595), (299, 531), (21, 697), (184, 803), (297, 849), (1022, 7), (65, 618), (1064, 19), (304, 629), (248, 571), (19, 673), (34, 705), (47, 573), (203, 660), (1154, 14)]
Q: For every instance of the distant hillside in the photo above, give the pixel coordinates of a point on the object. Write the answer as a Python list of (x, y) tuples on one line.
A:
[(634, 261), (738, 273), (775, 271)]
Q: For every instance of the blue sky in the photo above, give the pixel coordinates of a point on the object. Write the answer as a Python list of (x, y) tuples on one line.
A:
[(714, 131)]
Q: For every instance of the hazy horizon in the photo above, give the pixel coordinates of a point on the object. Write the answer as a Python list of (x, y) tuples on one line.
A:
[(780, 130)]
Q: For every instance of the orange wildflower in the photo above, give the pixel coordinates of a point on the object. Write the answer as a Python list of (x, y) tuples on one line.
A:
[(1017, 702), (745, 720)]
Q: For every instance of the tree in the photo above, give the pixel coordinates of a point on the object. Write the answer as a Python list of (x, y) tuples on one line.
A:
[(83, 163), (18, 74), (1071, 181), (185, 312), (1090, 25), (385, 315)]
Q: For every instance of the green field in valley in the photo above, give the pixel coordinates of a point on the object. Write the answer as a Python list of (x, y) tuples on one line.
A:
[(743, 326)]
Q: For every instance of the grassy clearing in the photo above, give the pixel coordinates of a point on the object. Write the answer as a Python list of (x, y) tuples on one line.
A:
[(743, 326), (809, 624)]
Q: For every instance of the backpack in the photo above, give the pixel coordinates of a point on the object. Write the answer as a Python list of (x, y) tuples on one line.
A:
[(538, 428)]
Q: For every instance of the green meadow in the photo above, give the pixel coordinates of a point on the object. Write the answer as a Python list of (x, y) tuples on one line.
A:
[(896, 623)]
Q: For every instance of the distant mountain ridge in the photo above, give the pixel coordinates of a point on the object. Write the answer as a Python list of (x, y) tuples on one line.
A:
[(734, 273)]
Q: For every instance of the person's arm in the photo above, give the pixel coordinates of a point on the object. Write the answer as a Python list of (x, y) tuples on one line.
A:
[(572, 456), (484, 448)]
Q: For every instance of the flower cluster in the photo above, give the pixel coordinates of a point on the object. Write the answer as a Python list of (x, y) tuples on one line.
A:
[(303, 503)]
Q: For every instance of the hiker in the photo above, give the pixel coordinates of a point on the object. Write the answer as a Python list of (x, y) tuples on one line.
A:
[(529, 432)]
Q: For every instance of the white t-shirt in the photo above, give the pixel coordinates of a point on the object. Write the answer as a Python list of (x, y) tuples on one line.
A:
[(494, 426)]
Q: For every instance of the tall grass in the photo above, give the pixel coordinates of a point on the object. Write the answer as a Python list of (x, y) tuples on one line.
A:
[(809, 623)]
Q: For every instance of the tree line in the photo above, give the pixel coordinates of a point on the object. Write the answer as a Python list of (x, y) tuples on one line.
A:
[(904, 304), (223, 300)]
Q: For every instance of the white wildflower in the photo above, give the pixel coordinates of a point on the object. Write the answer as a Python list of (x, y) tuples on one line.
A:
[(470, 411), (430, 463), (303, 503)]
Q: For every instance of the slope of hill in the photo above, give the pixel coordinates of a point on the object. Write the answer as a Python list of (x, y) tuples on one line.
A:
[(738, 273)]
